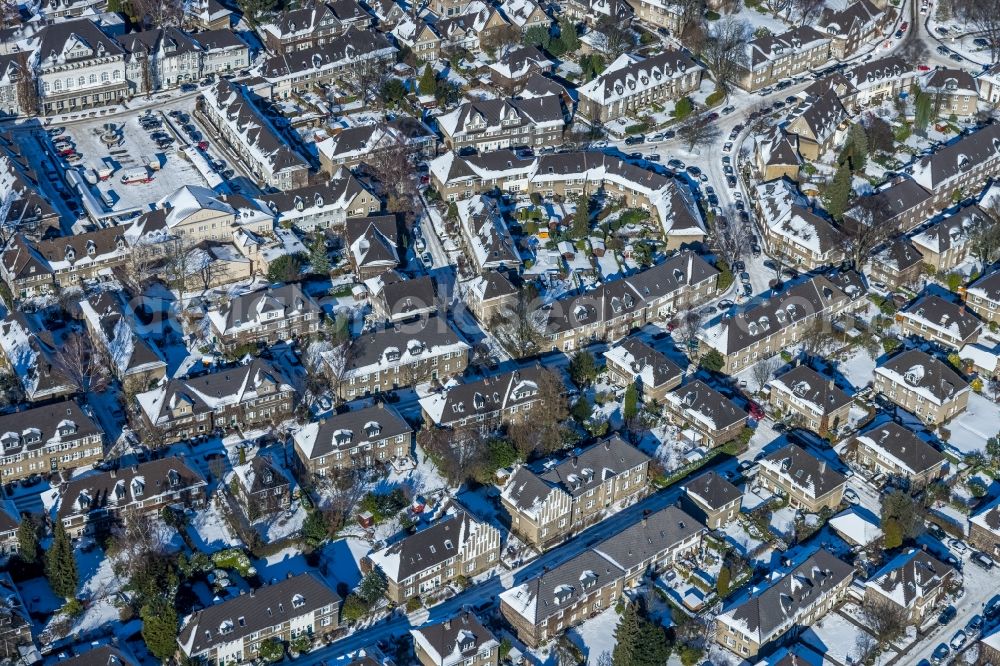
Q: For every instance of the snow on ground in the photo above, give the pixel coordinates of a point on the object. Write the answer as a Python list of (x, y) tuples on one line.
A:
[(281, 525), (596, 636), (859, 368), (837, 637), (210, 530), (971, 428), (783, 522), (740, 538)]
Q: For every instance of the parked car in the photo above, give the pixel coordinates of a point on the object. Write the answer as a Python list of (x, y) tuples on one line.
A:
[(992, 607), (983, 560), (958, 545), (694, 171), (675, 164), (634, 140), (935, 531), (974, 625), (851, 496), (947, 615), (958, 640), (940, 653), (728, 147)]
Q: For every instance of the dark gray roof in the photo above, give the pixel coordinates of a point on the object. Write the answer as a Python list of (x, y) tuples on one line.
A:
[(892, 67), (988, 286), (921, 371), (499, 114), (562, 587), (461, 635), (649, 537), (402, 296), (945, 314), (427, 548), (809, 385), (289, 299), (105, 655), (663, 369), (698, 398), (57, 38), (212, 40), (263, 608), (911, 576), (904, 445), (484, 396), (128, 484), (713, 490), (805, 470), (900, 254), (33, 428), (351, 429), (896, 200), (958, 157), (954, 230), (594, 465), (432, 332)]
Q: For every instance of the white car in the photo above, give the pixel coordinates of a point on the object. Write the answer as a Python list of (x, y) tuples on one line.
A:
[(851, 496), (728, 147), (959, 546), (958, 640)]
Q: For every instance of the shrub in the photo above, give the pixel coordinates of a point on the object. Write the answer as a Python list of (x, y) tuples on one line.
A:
[(711, 16), (716, 97), (413, 604), (890, 345), (637, 128), (683, 108)]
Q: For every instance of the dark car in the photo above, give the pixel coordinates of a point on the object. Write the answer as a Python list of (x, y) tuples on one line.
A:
[(947, 615), (731, 181), (635, 156), (712, 199), (675, 164), (983, 560), (992, 607), (669, 134), (188, 87), (634, 140), (694, 171), (739, 266)]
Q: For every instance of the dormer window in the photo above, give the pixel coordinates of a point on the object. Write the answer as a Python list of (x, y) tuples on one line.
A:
[(298, 601)]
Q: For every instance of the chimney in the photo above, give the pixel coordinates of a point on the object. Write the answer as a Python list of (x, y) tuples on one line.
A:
[(447, 625), (113, 472), (575, 461), (822, 467)]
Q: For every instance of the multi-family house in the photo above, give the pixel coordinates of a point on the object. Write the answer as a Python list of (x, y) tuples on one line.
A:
[(632, 361), (809, 483), (455, 547), (222, 51), (160, 58), (984, 529), (914, 581), (962, 166), (475, 25), (403, 355), (938, 320), (492, 124), (457, 641), (229, 109), (792, 230), (519, 64), (323, 205), (27, 208), (653, 543), (771, 58), (351, 146), (563, 597), (809, 398), (488, 242), (901, 206), (983, 297), (923, 385), (396, 299), (853, 26), (10, 522), (261, 487), (594, 12), (879, 81), (799, 598), (16, 643), (314, 24), (245, 396), (134, 357), (820, 126), (954, 92), (233, 630), (30, 352), (898, 264), (357, 439), (490, 294), (525, 14), (713, 499), (893, 450), (663, 15), (946, 243), (48, 439), (776, 155), (103, 655), (632, 84), (12, 70), (486, 404), (616, 308), (372, 244), (264, 317), (704, 414), (766, 327), (547, 504), (92, 504), (78, 67)]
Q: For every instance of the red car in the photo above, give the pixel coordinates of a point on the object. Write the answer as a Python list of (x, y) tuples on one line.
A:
[(66, 152), (904, 26), (203, 145), (756, 411), (923, 68)]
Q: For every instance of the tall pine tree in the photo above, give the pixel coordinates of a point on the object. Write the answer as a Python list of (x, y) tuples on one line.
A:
[(60, 565), (627, 636), (630, 403), (839, 192), (652, 647), (318, 259), (159, 627), (27, 540), (428, 82)]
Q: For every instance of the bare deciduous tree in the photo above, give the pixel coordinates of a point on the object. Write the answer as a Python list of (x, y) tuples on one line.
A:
[(985, 238), (885, 620), (366, 77), (869, 224), (520, 328), (763, 370), (725, 50), (138, 267), (159, 13), (80, 365), (27, 85), (392, 163), (698, 131), (984, 17)]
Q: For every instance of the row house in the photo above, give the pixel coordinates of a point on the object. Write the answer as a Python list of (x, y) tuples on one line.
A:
[(633, 362), (820, 126), (78, 67), (806, 397), (396, 299), (915, 582), (246, 396), (705, 415), (492, 124), (29, 351), (353, 145), (233, 630), (403, 355), (16, 642), (713, 499), (984, 529), (631, 84), (27, 209), (962, 166), (101, 655), (983, 297), (854, 26), (764, 328), (896, 451), (487, 239), (661, 14), (264, 317), (486, 404), (946, 243), (938, 320), (45, 440), (134, 357), (954, 92), (222, 50), (798, 598), (260, 488), (475, 25), (208, 15), (315, 24), (793, 231), (303, 70), (518, 65), (809, 483), (923, 385), (901, 206), (652, 545), (357, 439), (878, 81), (458, 641), (897, 264), (548, 504), (323, 205), (229, 110), (455, 546), (616, 308), (373, 245), (93, 504), (160, 58), (771, 58)]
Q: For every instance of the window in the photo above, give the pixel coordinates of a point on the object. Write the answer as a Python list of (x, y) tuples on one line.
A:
[(104, 77)]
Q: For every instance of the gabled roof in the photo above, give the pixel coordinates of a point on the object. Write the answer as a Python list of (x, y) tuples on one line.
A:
[(810, 387), (811, 475), (703, 404), (652, 367), (958, 157), (944, 316), (924, 374), (453, 640), (901, 445), (486, 396), (910, 577), (649, 537), (358, 427), (429, 547), (712, 490)]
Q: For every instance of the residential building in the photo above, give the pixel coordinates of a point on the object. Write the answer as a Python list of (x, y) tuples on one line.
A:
[(209, 16), (984, 529), (10, 523), (323, 205), (983, 297), (712, 499), (134, 356), (651, 545), (799, 598), (896, 451), (29, 351), (898, 264), (914, 581), (48, 439), (989, 647), (372, 244), (160, 58), (461, 640), (11, 70), (396, 299), (357, 439), (93, 504), (854, 26), (548, 504), (488, 242), (545, 606), (807, 397), (390, 358), (476, 24), (794, 232), (820, 126), (457, 545), (593, 12), (78, 67), (771, 58), (923, 385), (247, 396), (223, 51), (103, 655), (353, 145), (264, 317), (704, 414), (955, 92), (762, 329), (232, 631), (632, 361), (878, 81), (661, 14), (631, 84), (314, 24), (961, 166), (16, 642), (938, 320), (809, 483), (776, 155), (492, 124), (902, 206), (262, 489), (947, 242), (517, 65), (486, 404), (490, 294)]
